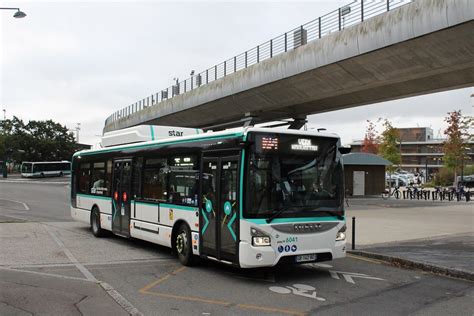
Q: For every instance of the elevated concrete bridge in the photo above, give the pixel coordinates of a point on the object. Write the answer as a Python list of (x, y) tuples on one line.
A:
[(422, 47)]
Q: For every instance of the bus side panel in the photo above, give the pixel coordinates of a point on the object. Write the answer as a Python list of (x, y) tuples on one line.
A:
[(147, 212), (144, 224), (84, 205), (170, 214), (80, 215), (155, 223), (154, 233)]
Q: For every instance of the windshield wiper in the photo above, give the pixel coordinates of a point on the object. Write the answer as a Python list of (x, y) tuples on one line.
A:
[(277, 214)]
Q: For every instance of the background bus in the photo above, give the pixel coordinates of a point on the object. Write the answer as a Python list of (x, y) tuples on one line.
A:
[(249, 197), (45, 169)]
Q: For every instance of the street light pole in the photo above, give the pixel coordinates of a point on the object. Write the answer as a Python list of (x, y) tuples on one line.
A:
[(18, 14), (462, 164), (426, 169)]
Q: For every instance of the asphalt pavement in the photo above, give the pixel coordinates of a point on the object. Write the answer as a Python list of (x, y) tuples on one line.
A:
[(53, 266)]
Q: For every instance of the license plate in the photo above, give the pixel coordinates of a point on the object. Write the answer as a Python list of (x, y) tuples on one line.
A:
[(306, 258)]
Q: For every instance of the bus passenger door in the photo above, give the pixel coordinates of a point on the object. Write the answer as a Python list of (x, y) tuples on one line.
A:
[(219, 208), (122, 184)]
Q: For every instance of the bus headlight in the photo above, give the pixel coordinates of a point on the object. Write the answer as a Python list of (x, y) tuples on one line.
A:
[(261, 241), (259, 238), (341, 234)]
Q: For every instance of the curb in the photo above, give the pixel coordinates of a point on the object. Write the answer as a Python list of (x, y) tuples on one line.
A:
[(416, 265)]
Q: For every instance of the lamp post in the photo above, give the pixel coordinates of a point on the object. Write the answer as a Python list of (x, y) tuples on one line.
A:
[(18, 14), (426, 169), (462, 163)]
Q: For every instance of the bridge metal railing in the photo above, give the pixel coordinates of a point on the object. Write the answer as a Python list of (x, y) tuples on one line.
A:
[(337, 20)]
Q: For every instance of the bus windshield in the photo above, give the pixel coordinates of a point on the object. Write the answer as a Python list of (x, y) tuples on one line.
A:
[(297, 176)]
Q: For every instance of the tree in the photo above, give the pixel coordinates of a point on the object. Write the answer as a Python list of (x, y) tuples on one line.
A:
[(388, 147), (35, 141), (457, 133), (369, 144)]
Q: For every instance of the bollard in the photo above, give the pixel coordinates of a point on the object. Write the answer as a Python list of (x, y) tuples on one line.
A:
[(353, 231), (404, 193)]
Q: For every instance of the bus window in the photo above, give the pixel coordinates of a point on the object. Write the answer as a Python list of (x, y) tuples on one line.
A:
[(183, 179), (108, 176), (98, 179), (84, 181), (154, 179)]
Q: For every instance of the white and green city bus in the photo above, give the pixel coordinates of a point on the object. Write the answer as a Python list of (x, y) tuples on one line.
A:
[(45, 169), (250, 197)]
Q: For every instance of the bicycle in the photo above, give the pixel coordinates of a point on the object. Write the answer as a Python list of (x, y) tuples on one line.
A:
[(396, 193), (438, 193)]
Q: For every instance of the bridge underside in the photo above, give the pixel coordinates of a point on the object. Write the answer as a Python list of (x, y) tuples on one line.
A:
[(437, 61)]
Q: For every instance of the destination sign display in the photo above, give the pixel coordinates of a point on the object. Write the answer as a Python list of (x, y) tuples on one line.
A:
[(270, 143), (274, 143)]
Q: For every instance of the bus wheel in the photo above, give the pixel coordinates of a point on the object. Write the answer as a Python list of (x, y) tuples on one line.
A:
[(61, 174), (183, 246), (95, 223), (42, 175)]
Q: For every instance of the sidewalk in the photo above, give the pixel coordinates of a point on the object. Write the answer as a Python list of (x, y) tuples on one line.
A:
[(437, 238)]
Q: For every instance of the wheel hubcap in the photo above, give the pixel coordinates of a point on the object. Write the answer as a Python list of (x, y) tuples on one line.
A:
[(181, 243)]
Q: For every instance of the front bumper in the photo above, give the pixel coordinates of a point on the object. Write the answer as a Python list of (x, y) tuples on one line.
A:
[(253, 257)]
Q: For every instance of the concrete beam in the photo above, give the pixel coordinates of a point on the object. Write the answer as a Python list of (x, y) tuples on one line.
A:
[(423, 47)]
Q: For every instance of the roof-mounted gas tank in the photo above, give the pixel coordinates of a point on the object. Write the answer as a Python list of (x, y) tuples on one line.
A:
[(144, 133)]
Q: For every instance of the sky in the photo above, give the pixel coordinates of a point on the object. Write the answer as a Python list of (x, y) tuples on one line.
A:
[(79, 61)]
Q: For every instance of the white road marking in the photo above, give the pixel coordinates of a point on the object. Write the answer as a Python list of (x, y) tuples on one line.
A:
[(18, 202), (122, 301), (298, 289), (70, 256), (55, 265), (45, 274), (349, 276), (322, 265)]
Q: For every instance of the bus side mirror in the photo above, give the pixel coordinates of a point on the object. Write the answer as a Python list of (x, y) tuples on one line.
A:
[(345, 150)]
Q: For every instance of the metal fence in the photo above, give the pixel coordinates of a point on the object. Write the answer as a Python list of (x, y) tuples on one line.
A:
[(348, 15)]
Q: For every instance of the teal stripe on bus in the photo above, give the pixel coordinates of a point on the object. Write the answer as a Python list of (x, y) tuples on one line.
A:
[(87, 153), (293, 220), (241, 199), (90, 196), (152, 132)]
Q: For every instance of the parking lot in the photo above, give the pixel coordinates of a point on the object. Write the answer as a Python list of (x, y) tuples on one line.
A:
[(53, 265)]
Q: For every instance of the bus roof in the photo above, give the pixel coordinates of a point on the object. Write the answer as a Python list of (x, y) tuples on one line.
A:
[(228, 133)]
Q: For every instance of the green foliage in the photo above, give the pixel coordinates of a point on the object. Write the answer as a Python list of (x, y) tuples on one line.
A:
[(35, 141), (457, 135), (369, 144), (468, 170), (389, 145), (444, 177)]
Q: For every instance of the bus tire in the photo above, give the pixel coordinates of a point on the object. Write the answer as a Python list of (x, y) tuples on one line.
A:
[(95, 223), (61, 174), (183, 246), (42, 175)]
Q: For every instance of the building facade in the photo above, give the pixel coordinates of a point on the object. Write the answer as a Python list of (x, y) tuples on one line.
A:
[(421, 152)]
